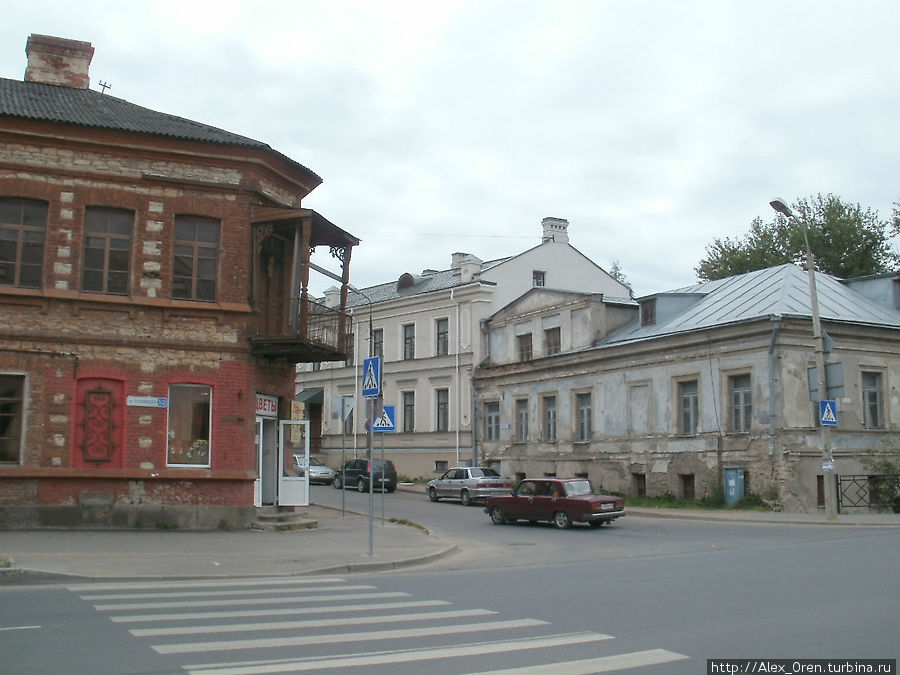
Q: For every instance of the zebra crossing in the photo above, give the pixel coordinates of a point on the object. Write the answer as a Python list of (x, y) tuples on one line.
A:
[(300, 624)]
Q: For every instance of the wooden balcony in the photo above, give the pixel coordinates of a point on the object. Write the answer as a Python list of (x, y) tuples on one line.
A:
[(301, 331), (289, 324)]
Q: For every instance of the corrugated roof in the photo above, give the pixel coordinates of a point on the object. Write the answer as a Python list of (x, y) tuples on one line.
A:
[(782, 290), (427, 282), (88, 108)]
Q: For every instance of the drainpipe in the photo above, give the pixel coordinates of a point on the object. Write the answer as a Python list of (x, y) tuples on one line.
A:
[(458, 406), (487, 354), (773, 388)]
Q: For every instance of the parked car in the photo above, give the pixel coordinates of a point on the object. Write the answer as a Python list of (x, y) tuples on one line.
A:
[(468, 484), (357, 473), (318, 472), (561, 501)]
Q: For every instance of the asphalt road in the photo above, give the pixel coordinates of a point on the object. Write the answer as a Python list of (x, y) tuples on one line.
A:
[(650, 596)]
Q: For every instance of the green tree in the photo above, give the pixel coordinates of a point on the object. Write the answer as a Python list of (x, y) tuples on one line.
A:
[(616, 273), (846, 240)]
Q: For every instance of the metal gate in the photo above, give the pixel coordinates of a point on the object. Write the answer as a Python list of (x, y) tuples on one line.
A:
[(862, 491)]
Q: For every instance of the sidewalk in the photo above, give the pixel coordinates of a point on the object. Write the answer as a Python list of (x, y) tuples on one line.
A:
[(339, 544)]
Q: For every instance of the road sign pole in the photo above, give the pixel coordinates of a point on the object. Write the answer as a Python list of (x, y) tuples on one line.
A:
[(822, 385), (370, 436)]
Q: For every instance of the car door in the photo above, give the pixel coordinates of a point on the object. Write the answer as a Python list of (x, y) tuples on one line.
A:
[(459, 482), (442, 485), (352, 470), (521, 504), (545, 498)]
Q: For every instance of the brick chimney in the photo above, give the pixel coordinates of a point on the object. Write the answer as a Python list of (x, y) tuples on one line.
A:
[(57, 61), (555, 230)]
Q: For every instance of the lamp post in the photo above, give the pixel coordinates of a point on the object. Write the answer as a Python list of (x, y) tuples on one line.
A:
[(370, 433), (821, 384)]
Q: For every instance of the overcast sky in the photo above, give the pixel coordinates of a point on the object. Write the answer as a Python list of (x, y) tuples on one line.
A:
[(652, 126)]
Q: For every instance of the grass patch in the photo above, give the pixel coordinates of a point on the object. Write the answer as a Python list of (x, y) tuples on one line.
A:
[(715, 501)]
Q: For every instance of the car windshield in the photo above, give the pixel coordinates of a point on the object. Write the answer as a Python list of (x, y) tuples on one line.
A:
[(578, 487), (484, 473)]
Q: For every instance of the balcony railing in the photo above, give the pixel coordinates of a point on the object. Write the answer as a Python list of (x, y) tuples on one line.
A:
[(301, 330)]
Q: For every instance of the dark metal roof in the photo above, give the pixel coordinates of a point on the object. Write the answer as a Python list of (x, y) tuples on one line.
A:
[(88, 108)]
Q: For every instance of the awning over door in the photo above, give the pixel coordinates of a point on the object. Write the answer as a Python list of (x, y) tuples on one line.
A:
[(311, 395)]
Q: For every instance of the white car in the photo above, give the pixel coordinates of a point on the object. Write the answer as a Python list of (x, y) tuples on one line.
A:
[(468, 484), (318, 472)]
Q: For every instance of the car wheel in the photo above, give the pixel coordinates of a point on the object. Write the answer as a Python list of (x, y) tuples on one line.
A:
[(561, 520), (497, 516), (361, 485), (337, 483), (390, 489), (465, 498), (432, 494)]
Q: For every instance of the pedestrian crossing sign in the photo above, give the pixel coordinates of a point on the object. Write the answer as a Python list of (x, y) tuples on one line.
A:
[(828, 413), (371, 383), (386, 421)]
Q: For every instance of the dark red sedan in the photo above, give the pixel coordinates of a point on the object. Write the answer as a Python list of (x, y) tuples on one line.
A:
[(560, 501)]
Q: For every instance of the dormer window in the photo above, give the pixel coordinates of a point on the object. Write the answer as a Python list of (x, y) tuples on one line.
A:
[(406, 280), (538, 278), (648, 312)]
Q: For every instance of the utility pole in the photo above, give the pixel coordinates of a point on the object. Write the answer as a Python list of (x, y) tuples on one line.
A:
[(829, 486)]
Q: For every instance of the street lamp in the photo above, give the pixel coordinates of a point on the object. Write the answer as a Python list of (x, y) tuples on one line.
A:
[(821, 387), (370, 432)]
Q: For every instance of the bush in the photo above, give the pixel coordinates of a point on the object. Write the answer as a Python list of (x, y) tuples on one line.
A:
[(884, 484), (751, 500), (715, 499)]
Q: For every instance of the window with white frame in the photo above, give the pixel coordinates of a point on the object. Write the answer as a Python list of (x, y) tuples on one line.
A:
[(492, 421), (442, 413), (409, 341), (548, 412), (378, 342), (189, 425), (409, 411), (585, 430), (873, 413), (521, 420), (538, 278), (741, 403), (441, 337), (688, 407)]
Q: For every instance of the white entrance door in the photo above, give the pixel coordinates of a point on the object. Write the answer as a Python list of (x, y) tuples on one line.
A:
[(257, 484), (293, 438)]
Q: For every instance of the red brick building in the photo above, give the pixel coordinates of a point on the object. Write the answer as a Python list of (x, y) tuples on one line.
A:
[(154, 277)]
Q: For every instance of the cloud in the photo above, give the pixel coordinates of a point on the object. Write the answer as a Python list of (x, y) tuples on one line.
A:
[(457, 126)]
